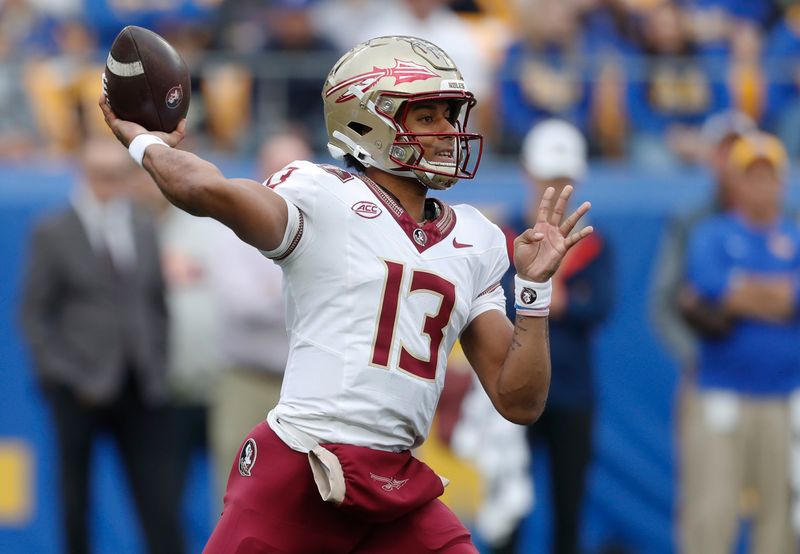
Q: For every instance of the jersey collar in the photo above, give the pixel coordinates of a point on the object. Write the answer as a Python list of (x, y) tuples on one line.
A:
[(422, 235)]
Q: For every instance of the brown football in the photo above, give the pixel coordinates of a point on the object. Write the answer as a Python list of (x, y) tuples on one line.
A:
[(146, 81)]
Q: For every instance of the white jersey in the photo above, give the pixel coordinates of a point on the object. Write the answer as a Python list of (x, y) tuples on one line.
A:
[(375, 302)]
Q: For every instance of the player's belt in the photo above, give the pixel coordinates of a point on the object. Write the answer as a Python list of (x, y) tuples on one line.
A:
[(325, 466)]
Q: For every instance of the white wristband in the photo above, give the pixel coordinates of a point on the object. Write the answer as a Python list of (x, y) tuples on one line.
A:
[(140, 143), (531, 298)]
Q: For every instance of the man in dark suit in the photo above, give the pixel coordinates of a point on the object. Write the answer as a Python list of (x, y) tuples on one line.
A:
[(95, 318)]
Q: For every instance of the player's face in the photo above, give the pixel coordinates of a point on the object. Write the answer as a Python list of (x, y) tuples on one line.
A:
[(433, 116)]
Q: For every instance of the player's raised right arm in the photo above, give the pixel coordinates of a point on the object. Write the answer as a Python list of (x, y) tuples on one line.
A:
[(254, 212)]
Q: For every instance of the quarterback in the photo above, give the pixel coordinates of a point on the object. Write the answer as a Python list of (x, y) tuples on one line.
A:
[(380, 281)]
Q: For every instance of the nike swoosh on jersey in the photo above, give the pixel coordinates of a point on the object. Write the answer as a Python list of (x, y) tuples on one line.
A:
[(457, 244)]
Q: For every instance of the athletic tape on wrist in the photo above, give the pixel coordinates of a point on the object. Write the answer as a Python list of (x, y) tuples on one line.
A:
[(140, 143), (532, 299)]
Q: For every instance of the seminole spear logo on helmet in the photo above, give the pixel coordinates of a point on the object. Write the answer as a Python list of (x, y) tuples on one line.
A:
[(403, 72)]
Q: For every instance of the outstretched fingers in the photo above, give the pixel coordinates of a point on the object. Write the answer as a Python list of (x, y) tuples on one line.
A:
[(544, 205), (561, 205), (568, 225), (578, 236)]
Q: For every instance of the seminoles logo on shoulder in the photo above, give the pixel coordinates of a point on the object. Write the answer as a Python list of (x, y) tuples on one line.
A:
[(366, 209), (403, 72), (247, 457), (174, 97)]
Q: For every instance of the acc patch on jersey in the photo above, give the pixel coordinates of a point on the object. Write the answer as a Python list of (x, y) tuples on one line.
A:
[(247, 457), (368, 210)]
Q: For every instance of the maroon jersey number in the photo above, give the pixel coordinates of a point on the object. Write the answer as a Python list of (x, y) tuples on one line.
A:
[(433, 326)]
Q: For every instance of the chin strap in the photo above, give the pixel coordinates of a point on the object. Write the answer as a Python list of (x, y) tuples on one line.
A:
[(361, 155), (355, 150)]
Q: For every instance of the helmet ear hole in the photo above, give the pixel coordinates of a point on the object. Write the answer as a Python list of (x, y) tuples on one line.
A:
[(359, 128)]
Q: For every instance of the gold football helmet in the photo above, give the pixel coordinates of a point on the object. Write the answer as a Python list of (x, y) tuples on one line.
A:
[(367, 96)]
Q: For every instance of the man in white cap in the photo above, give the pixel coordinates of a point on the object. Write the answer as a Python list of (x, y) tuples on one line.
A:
[(554, 155)]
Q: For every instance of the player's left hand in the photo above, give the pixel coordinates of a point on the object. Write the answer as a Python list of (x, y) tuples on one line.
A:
[(538, 251)]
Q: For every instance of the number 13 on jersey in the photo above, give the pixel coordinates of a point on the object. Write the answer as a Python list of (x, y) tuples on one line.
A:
[(433, 325)]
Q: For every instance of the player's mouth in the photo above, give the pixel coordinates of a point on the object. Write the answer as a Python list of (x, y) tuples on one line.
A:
[(445, 155)]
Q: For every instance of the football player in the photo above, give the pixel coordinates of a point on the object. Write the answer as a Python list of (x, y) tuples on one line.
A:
[(380, 281)]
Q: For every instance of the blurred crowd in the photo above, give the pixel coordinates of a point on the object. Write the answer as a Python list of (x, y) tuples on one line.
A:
[(637, 77)]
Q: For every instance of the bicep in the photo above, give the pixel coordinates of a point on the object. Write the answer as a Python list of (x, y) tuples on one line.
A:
[(254, 212), (486, 341)]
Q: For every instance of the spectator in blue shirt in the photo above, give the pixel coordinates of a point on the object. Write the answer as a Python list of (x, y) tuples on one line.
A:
[(746, 263), (679, 326)]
